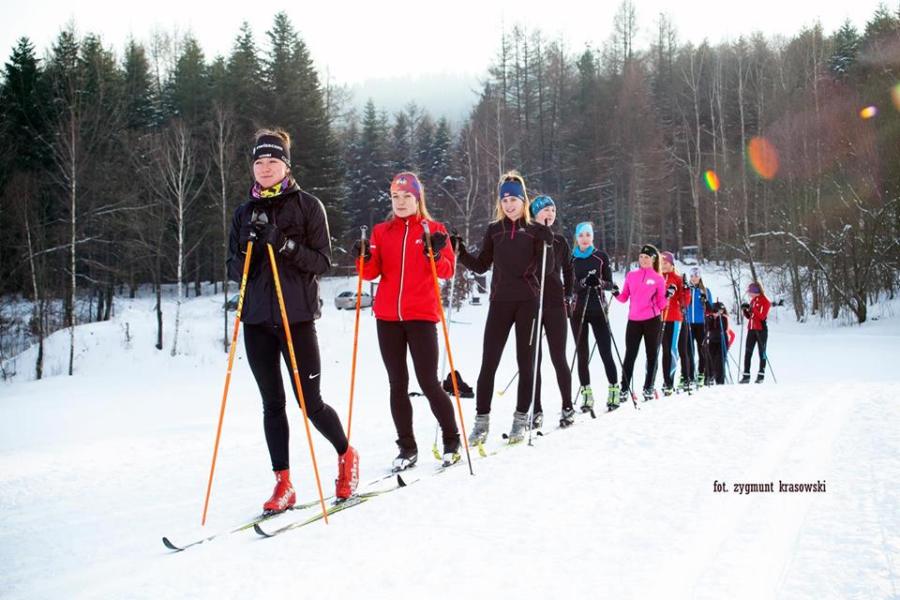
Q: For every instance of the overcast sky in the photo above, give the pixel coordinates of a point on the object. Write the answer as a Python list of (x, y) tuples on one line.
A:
[(401, 38)]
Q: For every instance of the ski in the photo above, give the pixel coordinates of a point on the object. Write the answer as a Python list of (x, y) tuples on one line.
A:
[(339, 506), (259, 519)]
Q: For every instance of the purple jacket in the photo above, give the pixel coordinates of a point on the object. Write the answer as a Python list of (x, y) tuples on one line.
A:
[(647, 290)]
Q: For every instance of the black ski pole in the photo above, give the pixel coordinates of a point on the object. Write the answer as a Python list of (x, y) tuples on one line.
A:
[(537, 346)]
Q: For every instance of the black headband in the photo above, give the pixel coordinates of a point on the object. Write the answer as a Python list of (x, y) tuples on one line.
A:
[(271, 146), (649, 250)]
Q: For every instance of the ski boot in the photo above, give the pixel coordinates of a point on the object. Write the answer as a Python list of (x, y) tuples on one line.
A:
[(648, 394), (348, 474), (451, 454), (668, 390), (537, 421), (612, 399), (480, 430), (568, 417), (686, 386), (587, 401), (745, 378), (405, 460), (624, 395), (517, 431), (760, 377), (283, 496), (701, 380)]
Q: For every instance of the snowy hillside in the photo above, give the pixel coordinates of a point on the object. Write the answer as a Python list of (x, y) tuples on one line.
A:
[(96, 468)]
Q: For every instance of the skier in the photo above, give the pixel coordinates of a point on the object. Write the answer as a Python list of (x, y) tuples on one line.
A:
[(406, 311), (675, 339), (701, 303), (557, 291), (645, 287), (756, 311), (293, 222), (719, 338), (513, 246), (594, 275)]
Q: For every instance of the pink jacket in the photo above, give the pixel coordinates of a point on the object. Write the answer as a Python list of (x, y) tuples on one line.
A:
[(647, 290)]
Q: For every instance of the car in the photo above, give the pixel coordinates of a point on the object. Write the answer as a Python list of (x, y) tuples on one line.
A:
[(689, 255), (347, 300), (232, 302)]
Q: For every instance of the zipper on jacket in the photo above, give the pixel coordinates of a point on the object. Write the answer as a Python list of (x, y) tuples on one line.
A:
[(402, 270)]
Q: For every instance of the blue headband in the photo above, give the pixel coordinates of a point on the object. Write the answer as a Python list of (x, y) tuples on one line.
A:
[(540, 203), (512, 188), (584, 226)]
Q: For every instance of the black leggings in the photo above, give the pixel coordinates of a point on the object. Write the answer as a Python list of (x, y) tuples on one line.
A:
[(264, 344), (698, 335), (636, 331), (754, 337), (554, 319), (502, 315), (420, 338), (669, 353), (597, 323), (716, 364)]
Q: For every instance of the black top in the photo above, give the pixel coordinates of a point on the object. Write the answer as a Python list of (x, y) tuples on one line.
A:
[(556, 289), (300, 217), (515, 254), (598, 262)]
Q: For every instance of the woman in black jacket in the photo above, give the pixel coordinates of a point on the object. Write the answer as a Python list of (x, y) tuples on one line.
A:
[(278, 213), (593, 275), (512, 245)]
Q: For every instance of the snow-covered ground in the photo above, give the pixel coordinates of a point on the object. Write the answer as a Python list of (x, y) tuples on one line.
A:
[(95, 468)]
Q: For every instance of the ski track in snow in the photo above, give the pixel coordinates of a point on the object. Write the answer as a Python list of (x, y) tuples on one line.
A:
[(96, 468)]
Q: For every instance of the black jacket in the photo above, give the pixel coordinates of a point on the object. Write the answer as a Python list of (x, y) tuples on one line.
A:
[(514, 252), (598, 261), (300, 217), (556, 289)]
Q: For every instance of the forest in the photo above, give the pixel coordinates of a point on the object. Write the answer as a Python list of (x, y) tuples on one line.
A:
[(121, 169)]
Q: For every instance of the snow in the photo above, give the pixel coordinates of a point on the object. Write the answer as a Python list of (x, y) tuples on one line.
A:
[(96, 468)]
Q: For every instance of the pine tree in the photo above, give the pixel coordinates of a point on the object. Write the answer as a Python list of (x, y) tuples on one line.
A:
[(846, 46), (189, 88), (140, 109)]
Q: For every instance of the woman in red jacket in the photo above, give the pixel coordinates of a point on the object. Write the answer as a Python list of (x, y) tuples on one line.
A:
[(406, 310), (675, 340), (756, 311)]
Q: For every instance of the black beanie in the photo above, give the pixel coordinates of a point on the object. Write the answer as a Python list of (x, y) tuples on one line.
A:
[(271, 146)]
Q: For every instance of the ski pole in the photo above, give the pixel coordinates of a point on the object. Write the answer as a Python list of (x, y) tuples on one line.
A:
[(437, 426), (516, 374), (296, 372), (437, 295), (605, 309), (769, 363), (231, 352), (537, 346), (580, 326), (359, 279)]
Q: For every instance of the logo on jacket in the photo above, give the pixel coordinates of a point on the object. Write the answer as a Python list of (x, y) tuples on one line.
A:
[(650, 281)]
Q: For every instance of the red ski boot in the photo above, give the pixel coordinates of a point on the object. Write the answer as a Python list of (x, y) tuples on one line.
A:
[(283, 496), (348, 474)]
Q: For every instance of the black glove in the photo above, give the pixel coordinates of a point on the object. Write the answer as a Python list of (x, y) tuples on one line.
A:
[(745, 306), (606, 285), (615, 290), (670, 291), (590, 280), (456, 240), (543, 233), (364, 247), (702, 297), (438, 243)]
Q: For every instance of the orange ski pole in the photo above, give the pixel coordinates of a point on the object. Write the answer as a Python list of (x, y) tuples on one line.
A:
[(360, 264), (437, 295), (296, 372), (234, 337)]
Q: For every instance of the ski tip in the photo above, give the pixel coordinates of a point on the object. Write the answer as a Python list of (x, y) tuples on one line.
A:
[(593, 414), (540, 434), (170, 545), (400, 481), (260, 530)]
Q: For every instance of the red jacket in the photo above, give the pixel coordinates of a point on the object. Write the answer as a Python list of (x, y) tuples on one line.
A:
[(679, 301), (406, 289), (759, 311)]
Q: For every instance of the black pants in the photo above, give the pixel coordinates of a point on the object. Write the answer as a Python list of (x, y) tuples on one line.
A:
[(420, 338), (554, 319), (264, 345), (501, 318), (756, 337), (715, 366), (636, 331), (698, 335), (597, 323), (669, 352)]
